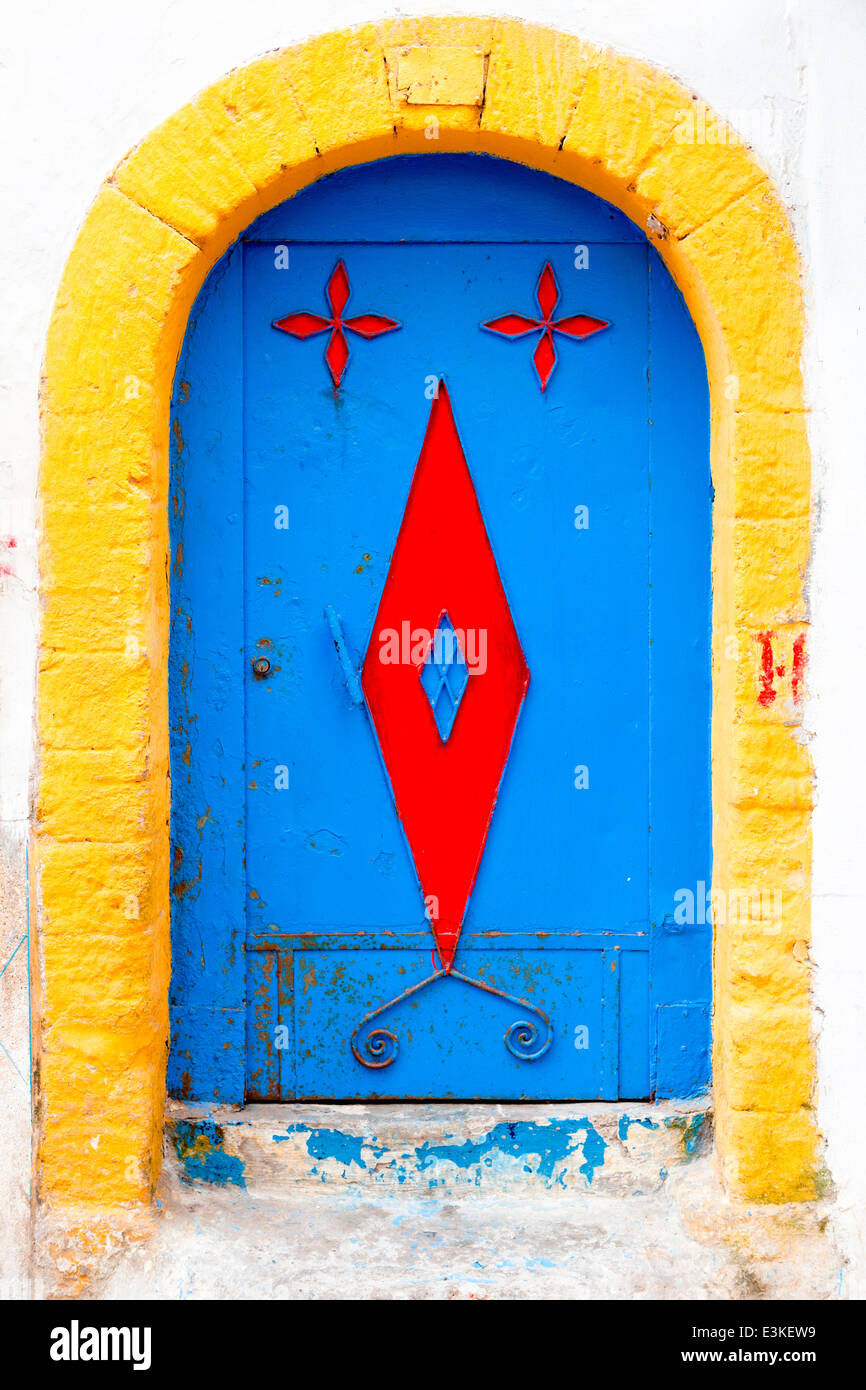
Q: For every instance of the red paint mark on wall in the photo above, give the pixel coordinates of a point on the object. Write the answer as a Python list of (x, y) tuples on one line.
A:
[(767, 692), (772, 669), (798, 668)]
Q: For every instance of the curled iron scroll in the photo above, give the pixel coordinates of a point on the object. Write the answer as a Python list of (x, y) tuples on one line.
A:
[(380, 1045), (527, 1039), (522, 1037)]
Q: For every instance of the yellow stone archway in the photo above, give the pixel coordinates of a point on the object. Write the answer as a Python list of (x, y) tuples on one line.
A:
[(625, 131)]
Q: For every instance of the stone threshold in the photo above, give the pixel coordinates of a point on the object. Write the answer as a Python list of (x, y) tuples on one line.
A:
[(613, 1148)]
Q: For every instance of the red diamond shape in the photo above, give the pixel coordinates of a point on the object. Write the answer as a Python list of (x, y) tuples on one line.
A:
[(444, 791)]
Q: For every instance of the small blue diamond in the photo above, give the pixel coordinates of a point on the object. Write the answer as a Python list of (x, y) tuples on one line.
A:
[(444, 676)]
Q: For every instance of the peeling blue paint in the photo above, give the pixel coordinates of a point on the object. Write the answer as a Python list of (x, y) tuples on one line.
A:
[(593, 1151), (400, 1173), (692, 1127), (551, 1143), (626, 1121), (199, 1146), (323, 1144)]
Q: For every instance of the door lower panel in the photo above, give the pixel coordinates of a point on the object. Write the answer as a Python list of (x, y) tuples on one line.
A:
[(449, 1038)]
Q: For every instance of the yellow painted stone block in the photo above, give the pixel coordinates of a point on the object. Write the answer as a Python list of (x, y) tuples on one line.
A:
[(87, 617), (440, 75), (765, 580), (102, 547), (90, 702), (97, 570), (534, 80), (768, 1156), (442, 31), (691, 178), (106, 976), (115, 887), (648, 106), (340, 85), (766, 964), (119, 313), (783, 896), (771, 766), (106, 457), (458, 43), (767, 846), (771, 473), (185, 175), (109, 792), (97, 1102), (742, 269), (88, 1171), (758, 909), (255, 114), (766, 1053)]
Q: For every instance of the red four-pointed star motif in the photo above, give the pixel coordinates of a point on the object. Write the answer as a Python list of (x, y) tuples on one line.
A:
[(306, 325), (518, 325), (444, 789)]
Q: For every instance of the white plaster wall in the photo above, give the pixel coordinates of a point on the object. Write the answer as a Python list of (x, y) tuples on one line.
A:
[(834, 232), (79, 85)]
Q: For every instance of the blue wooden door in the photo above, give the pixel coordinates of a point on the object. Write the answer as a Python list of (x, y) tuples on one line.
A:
[(533, 325)]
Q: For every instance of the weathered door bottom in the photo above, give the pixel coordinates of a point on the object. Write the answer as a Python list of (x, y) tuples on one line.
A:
[(609, 1149)]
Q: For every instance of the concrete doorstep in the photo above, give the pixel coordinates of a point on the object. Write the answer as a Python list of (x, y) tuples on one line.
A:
[(423, 1148), (460, 1202)]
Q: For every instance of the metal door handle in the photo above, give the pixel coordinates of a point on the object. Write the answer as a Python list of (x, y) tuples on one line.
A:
[(353, 683)]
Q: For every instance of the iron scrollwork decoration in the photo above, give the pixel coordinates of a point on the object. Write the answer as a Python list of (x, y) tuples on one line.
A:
[(379, 1047), (523, 1034), (444, 711)]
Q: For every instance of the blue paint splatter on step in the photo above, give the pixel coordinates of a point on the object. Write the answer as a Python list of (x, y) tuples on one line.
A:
[(200, 1148)]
